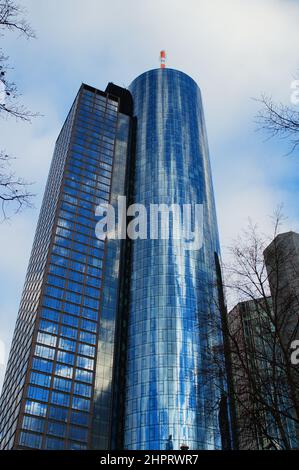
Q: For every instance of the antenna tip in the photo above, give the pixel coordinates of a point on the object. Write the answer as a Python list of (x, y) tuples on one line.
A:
[(162, 59)]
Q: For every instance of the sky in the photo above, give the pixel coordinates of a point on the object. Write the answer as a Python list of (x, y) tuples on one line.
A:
[(234, 49)]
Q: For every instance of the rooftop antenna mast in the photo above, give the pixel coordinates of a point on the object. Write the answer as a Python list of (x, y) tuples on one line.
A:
[(162, 59)]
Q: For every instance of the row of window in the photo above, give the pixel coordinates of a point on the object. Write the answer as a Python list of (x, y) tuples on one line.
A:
[(58, 398), (85, 156), (85, 312), (77, 257), (93, 254), (61, 370), (86, 160), (58, 262), (96, 127), (92, 179), (77, 287), (73, 309), (89, 168), (89, 153), (89, 103), (79, 243), (76, 295), (80, 209), (65, 357), (85, 189), (97, 111), (32, 423), (98, 117), (96, 99), (29, 439), (81, 195), (68, 296), (85, 227), (69, 345), (89, 186), (61, 384), (96, 199), (79, 237), (94, 136), (52, 341), (94, 144)]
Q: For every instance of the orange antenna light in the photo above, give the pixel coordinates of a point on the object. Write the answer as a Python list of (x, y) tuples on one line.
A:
[(162, 59)]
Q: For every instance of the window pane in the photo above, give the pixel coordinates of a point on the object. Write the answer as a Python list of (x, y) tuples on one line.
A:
[(79, 434), (34, 408), (64, 370), (60, 414), (60, 399), (84, 376), (33, 424), (58, 429), (62, 384), (40, 379), (29, 439), (82, 389), (79, 418), (40, 394), (54, 444), (80, 404), (42, 365)]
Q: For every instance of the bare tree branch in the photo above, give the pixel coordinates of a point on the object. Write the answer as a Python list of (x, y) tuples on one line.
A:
[(14, 191), (12, 18), (278, 120)]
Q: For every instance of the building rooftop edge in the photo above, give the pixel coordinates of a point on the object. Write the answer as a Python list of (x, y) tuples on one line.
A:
[(164, 70), (280, 236), (248, 302)]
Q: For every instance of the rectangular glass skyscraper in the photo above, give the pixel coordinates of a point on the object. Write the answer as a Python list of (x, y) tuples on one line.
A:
[(113, 335), (53, 397)]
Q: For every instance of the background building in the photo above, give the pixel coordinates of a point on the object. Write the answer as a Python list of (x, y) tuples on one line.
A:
[(282, 263), (251, 338), (265, 383)]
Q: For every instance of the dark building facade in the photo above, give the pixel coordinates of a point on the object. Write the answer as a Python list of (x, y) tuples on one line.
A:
[(265, 382), (251, 336), (112, 334), (282, 263)]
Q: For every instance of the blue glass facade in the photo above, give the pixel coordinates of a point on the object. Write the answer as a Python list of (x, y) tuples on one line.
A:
[(173, 320)]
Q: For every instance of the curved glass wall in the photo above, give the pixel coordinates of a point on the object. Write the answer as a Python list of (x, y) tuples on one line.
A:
[(173, 319)]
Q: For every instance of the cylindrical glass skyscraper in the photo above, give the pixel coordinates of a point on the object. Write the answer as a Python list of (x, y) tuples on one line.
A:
[(173, 318)]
